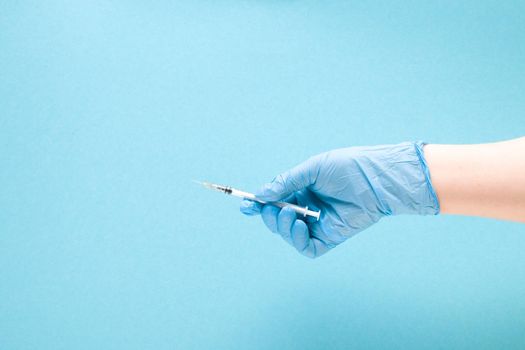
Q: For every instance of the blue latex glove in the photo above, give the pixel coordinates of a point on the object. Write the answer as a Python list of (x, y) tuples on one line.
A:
[(353, 187)]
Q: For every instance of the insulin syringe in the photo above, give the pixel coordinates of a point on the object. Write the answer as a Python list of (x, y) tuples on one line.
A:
[(246, 195)]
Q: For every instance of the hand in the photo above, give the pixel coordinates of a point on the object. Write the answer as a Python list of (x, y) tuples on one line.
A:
[(353, 187)]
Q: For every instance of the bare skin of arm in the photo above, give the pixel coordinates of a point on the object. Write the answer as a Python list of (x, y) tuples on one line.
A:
[(480, 180)]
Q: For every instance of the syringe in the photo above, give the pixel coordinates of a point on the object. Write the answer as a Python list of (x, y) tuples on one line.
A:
[(246, 195)]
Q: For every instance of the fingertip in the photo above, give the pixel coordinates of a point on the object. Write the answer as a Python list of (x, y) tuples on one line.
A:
[(250, 208), (263, 191), (270, 192)]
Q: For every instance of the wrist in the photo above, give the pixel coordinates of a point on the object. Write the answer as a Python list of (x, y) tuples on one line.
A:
[(407, 184)]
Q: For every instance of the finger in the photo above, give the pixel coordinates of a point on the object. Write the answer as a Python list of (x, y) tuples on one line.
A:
[(292, 199), (285, 221), (269, 215), (250, 208), (305, 244), (293, 180), (315, 246), (300, 235)]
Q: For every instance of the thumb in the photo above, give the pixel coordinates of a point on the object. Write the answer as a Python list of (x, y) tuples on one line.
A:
[(293, 180)]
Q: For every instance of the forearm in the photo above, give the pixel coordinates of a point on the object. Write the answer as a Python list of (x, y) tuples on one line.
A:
[(481, 180)]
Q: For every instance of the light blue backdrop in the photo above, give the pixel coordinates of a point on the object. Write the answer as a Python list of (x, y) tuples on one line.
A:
[(109, 108)]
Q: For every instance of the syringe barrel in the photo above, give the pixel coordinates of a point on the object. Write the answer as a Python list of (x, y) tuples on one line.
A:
[(304, 211)]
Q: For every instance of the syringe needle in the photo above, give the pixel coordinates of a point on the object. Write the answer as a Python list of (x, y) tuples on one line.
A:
[(205, 184)]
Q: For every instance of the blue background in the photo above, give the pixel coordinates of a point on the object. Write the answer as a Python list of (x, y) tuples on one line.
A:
[(109, 108)]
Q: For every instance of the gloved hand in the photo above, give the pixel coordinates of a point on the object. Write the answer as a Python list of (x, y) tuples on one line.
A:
[(353, 187)]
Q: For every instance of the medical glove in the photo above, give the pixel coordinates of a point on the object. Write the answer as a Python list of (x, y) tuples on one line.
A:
[(353, 187)]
